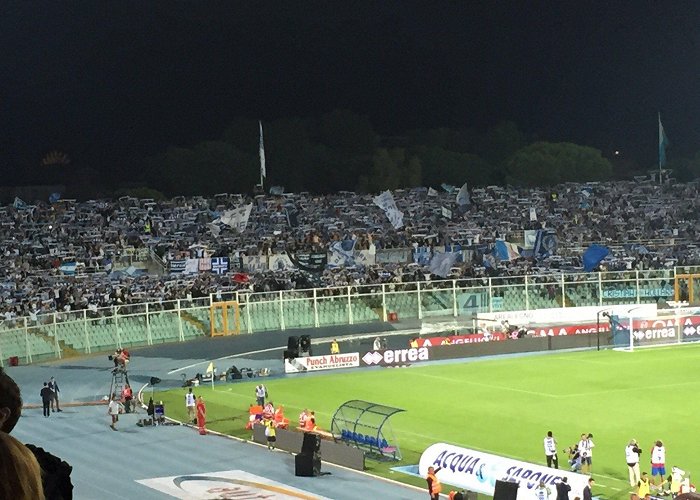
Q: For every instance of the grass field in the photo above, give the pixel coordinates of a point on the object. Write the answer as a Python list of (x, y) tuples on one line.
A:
[(504, 406)]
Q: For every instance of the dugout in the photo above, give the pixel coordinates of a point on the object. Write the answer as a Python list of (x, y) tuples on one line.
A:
[(365, 425)]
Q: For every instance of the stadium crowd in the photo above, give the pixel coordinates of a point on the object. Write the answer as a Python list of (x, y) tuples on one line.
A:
[(70, 255)]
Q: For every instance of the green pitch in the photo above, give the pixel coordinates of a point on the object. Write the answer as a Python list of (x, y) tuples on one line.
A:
[(504, 406)]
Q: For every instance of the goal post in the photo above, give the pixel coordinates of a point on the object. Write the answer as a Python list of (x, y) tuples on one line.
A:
[(224, 318), (672, 326)]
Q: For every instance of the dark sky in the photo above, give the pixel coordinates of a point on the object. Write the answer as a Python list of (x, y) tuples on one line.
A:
[(106, 80)]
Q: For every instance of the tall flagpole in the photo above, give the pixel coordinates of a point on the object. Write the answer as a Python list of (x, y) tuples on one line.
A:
[(660, 144), (263, 173)]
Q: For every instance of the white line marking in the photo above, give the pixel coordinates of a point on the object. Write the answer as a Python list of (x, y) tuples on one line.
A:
[(481, 384)]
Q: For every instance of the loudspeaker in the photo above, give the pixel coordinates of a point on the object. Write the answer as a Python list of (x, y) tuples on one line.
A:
[(311, 443), (235, 373), (293, 343), (307, 465), (305, 343), (505, 490)]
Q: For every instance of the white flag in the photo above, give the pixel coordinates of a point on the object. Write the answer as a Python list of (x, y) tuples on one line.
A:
[(395, 217), (263, 173), (446, 212), (385, 201), (463, 196), (237, 218), (432, 192), (533, 214)]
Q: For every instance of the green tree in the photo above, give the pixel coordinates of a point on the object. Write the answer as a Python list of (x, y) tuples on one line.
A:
[(545, 163)]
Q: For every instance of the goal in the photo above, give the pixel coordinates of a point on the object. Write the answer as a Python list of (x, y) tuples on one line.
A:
[(676, 325), (225, 318)]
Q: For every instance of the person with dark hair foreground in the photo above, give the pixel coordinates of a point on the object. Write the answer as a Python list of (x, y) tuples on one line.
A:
[(55, 472), (19, 470)]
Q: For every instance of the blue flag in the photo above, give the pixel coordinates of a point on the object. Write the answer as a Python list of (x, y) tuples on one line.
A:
[(663, 144), (593, 256)]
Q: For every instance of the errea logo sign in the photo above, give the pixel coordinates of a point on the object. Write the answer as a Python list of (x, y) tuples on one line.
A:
[(396, 356)]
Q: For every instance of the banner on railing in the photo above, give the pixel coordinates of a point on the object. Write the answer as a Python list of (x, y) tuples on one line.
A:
[(280, 262), (631, 293), (254, 263), (327, 362), (393, 256), (478, 471), (471, 338), (312, 262)]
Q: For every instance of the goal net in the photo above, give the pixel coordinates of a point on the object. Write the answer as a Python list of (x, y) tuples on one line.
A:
[(676, 325)]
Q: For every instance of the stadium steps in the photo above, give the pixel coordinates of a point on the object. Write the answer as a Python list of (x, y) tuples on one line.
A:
[(49, 339), (197, 323)]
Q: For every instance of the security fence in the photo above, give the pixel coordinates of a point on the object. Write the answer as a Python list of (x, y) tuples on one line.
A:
[(61, 334)]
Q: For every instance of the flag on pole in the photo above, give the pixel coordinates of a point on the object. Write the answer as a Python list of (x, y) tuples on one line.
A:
[(210, 368), (663, 144), (263, 173)]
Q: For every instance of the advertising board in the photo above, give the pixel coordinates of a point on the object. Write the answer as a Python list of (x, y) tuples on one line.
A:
[(395, 357), (326, 362), (478, 471)]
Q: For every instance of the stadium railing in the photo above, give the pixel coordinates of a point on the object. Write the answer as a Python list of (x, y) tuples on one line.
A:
[(60, 334)]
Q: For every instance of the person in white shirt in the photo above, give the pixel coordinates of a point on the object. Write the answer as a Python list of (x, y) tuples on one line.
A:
[(658, 463), (260, 394), (585, 447), (632, 452), (550, 450), (190, 404), (113, 410)]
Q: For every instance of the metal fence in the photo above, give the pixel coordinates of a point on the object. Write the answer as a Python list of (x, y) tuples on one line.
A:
[(61, 334)]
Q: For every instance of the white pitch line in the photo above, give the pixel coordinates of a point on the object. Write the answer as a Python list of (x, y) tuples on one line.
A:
[(242, 354), (481, 384)]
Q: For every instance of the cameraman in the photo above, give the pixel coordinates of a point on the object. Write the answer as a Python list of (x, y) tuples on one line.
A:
[(632, 453)]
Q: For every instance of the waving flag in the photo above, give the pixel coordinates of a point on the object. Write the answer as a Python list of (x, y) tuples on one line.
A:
[(506, 251), (463, 196), (593, 256)]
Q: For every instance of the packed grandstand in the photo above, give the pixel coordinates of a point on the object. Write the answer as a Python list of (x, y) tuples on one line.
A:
[(71, 255)]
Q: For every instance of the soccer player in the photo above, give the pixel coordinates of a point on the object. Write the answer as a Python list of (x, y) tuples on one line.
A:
[(550, 450), (658, 463)]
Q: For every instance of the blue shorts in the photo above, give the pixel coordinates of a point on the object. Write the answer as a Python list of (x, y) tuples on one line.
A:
[(660, 470), (586, 460)]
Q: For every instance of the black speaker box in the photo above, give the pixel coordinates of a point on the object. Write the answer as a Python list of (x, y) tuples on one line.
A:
[(305, 343), (291, 353), (311, 443), (293, 343), (307, 465), (505, 490)]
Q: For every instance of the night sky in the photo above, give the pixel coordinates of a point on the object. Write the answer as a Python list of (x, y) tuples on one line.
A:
[(107, 81)]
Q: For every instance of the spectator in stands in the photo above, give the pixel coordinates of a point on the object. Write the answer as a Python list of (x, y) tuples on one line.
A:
[(19, 470), (55, 472)]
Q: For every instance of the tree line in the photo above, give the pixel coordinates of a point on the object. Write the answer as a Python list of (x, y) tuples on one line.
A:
[(340, 150)]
